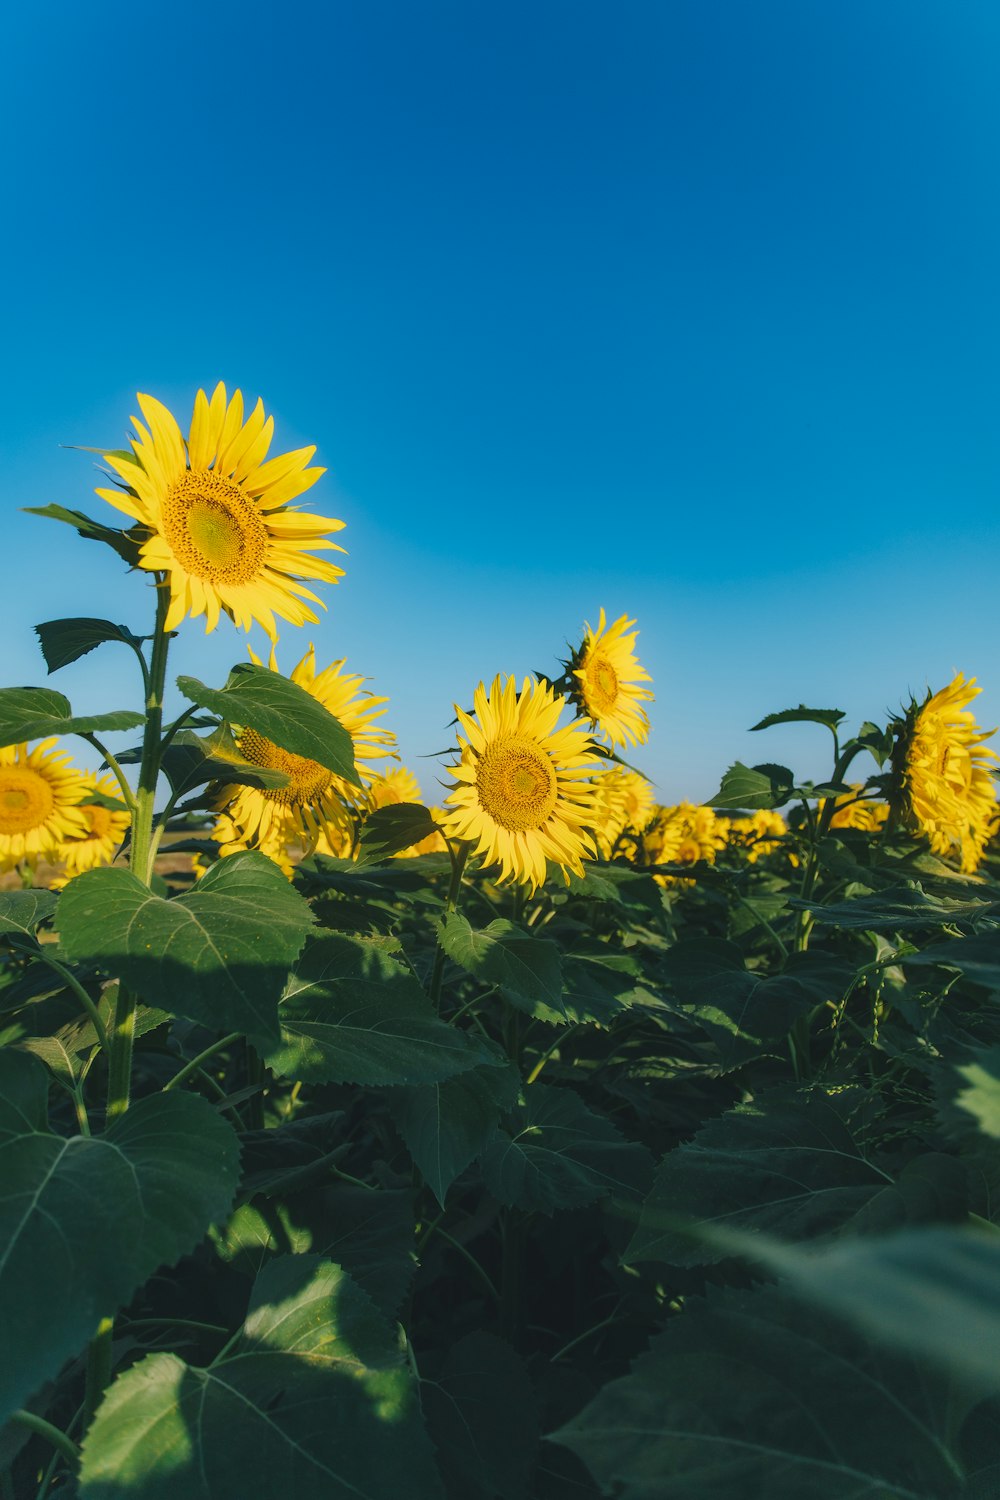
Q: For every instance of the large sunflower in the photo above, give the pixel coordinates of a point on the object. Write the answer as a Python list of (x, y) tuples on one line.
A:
[(607, 677), (40, 792), (524, 793), (106, 830), (217, 516), (278, 818), (943, 772)]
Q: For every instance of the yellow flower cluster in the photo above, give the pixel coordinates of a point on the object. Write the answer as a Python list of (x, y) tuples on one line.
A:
[(55, 814)]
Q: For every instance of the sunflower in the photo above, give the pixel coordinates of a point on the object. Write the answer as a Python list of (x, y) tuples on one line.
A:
[(943, 780), (854, 811), (216, 516), (276, 819), (759, 834), (607, 674), (40, 792), (624, 801), (106, 830), (524, 793), (683, 835)]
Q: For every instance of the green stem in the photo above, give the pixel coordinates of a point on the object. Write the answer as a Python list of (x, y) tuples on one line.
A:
[(128, 796), (78, 990), (451, 905), (473, 1262), (540, 1064), (255, 1079), (196, 1062), (53, 1435)]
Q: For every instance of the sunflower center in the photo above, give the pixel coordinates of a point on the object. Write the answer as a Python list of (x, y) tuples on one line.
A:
[(308, 780), (98, 821), (516, 782), (25, 799), (213, 528), (602, 683)]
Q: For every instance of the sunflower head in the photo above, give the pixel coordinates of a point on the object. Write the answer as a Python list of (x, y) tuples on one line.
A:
[(216, 517), (106, 828), (624, 803), (607, 682), (943, 786), (40, 793), (523, 792), (294, 816), (853, 810)]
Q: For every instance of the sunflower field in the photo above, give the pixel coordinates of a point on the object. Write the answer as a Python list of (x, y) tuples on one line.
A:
[(547, 1144)]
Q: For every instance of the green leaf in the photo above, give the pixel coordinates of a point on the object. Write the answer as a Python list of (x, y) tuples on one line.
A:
[(831, 717), (24, 1095), (556, 1153), (793, 1162), (22, 912), (315, 1402), (192, 760), (391, 830), (257, 698), (745, 1014), (525, 969), (980, 1097), (898, 909), (596, 987), (753, 1394), (481, 1411), (86, 1221), (354, 1014), (446, 1125), (368, 1232), (126, 543), (65, 641), (932, 1292), (977, 957), (753, 787), (31, 713), (211, 955)]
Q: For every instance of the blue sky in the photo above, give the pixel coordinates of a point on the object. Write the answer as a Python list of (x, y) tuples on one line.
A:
[(686, 309)]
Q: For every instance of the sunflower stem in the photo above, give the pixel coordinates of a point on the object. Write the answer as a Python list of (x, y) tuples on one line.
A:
[(54, 1435)]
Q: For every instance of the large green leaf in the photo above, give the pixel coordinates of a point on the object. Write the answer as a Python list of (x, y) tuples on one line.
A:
[(315, 1401), (976, 1089), (446, 1125), (831, 717), (977, 957), (753, 786), (352, 1013), (744, 1013), (368, 1231), (524, 968), (21, 912), (754, 1394), (793, 1162), (34, 713), (65, 641), (219, 954), (481, 1411), (554, 1152), (932, 1292), (126, 543), (85, 1221), (279, 709), (898, 909), (390, 830)]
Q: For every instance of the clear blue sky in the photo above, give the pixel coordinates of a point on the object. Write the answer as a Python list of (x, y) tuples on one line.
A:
[(689, 309)]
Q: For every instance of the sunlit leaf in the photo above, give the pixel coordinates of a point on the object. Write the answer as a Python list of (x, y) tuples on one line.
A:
[(210, 955), (32, 713), (282, 711), (315, 1401)]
